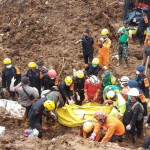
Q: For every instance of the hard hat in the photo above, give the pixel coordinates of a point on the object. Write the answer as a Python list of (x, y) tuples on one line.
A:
[(132, 83), (111, 95), (68, 80), (40, 63), (106, 74), (100, 114), (80, 74), (140, 68), (104, 32), (52, 73), (95, 61), (32, 65), (133, 92), (124, 80), (87, 126), (93, 79), (148, 30), (7, 61), (25, 80), (49, 105), (86, 31)]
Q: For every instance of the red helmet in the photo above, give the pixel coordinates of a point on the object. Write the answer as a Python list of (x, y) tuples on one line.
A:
[(52, 73)]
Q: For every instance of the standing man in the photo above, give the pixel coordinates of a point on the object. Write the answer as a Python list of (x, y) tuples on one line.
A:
[(25, 93), (87, 46), (123, 43), (104, 48), (8, 72), (142, 79), (34, 76)]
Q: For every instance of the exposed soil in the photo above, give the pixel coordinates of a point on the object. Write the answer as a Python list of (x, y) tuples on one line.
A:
[(48, 29)]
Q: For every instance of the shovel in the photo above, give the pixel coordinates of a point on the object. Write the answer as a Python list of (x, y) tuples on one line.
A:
[(11, 109)]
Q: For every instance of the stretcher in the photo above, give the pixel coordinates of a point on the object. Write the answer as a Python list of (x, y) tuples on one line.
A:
[(74, 115)]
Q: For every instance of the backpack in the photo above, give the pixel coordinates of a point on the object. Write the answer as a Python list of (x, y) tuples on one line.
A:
[(140, 115)]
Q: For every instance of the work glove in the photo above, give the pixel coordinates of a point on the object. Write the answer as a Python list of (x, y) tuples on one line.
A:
[(146, 125), (78, 97), (42, 89), (4, 90), (128, 127), (35, 132), (145, 119), (13, 80), (92, 137), (119, 116), (71, 101)]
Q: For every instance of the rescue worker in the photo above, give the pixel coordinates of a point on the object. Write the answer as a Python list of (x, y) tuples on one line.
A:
[(24, 92), (55, 95), (125, 88), (88, 127), (8, 72), (79, 81), (119, 104), (104, 48), (142, 79), (94, 68), (66, 89), (41, 67), (143, 24), (34, 76), (115, 88), (147, 45), (87, 46), (133, 116), (141, 98), (43, 106), (123, 43), (108, 78), (113, 128), (92, 89), (49, 80)]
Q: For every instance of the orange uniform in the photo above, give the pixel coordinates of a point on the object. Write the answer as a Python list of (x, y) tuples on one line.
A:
[(112, 126), (104, 52), (96, 129)]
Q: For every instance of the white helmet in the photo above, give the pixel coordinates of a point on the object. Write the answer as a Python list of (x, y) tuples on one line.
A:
[(123, 80), (93, 79), (133, 92)]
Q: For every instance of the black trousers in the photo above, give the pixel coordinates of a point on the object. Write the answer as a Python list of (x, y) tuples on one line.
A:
[(81, 94), (87, 57)]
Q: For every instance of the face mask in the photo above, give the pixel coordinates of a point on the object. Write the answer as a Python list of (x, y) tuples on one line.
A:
[(52, 78), (8, 66), (105, 37), (102, 120), (94, 66), (137, 72), (68, 84)]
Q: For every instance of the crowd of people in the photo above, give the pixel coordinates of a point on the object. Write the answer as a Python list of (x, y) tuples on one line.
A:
[(41, 92)]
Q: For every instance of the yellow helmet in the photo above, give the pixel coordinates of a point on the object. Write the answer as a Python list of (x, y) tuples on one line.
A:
[(68, 80), (87, 126), (104, 32), (95, 61), (7, 61), (32, 65), (80, 74), (49, 105)]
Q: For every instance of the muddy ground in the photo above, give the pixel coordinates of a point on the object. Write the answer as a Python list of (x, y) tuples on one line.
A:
[(32, 30)]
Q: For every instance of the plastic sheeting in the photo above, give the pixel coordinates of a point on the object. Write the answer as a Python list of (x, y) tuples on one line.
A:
[(74, 115)]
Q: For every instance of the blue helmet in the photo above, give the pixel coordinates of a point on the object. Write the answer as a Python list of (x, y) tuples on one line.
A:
[(140, 68), (132, 83)]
